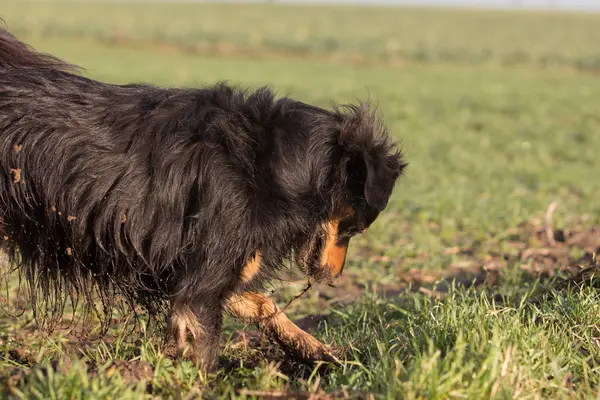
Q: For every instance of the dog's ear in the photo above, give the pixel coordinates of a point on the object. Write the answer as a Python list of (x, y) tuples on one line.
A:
[(373, 176), (373, 163), (381, 175)]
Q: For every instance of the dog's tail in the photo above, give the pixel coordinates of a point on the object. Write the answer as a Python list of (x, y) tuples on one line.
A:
[(16, 54)]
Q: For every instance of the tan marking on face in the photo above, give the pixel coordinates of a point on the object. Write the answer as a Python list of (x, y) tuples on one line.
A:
[(259, 309), (251, 268), (333, 255)]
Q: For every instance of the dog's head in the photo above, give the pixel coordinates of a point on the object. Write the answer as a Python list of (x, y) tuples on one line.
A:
[(354, 168)]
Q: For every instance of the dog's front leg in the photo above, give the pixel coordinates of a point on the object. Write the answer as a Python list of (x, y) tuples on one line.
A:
[(258, 309), (198, 323)]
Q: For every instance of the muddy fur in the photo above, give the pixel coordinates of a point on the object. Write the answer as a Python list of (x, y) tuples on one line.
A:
[(162, 195)]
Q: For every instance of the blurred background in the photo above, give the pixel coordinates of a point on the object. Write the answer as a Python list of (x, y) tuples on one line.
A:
[(494, 102)]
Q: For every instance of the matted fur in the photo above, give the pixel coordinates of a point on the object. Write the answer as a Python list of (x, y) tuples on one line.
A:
[(158, 194)]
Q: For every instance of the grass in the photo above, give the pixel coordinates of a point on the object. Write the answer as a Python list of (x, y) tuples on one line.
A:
[(368, 33), (497, 113)]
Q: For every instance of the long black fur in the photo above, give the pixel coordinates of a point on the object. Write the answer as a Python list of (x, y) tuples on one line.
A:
[(155, 193)]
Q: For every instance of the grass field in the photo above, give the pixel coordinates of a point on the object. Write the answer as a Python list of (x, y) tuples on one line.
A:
[(454, 291)]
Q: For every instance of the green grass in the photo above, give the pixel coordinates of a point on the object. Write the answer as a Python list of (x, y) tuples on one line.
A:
[(495, 129), (373, 33)]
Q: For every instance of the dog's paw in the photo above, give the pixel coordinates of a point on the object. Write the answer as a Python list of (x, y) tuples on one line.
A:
[(309, 350)]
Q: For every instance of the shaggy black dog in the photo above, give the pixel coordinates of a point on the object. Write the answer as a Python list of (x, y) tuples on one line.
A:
[(191, 198)]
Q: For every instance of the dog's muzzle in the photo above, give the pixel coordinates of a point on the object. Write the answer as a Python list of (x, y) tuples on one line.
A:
[(325, 259)]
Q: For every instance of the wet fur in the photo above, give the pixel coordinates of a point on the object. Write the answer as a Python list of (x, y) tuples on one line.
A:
[(162, 195)]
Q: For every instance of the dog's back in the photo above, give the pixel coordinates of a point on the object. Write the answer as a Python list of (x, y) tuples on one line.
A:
[(122, 182), (16, 54), (95, 178)]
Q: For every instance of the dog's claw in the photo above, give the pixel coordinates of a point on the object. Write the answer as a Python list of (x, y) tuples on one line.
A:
[(331, 358), (311, 351)]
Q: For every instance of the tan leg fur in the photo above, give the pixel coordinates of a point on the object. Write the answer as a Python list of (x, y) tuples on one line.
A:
[(259, 309)]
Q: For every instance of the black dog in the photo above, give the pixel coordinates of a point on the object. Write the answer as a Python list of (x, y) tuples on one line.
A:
[(190, 198)]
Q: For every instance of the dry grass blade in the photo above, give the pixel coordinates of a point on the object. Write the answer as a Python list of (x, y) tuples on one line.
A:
[(548, 223)]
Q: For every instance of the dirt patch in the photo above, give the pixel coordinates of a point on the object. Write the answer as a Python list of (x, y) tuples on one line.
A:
[(131, 371), (251, 349), (311, 323), (537, 250), (280, 395), (20, 356), (535, 247)]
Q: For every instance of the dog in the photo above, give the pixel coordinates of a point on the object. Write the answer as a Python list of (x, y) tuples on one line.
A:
[(190, 199)]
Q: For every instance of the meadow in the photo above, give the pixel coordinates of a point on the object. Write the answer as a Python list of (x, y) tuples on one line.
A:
[(458, 290)]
